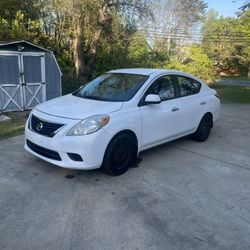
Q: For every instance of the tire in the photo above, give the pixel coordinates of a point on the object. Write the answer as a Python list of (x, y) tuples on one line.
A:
[(119, 155), (203, 129)]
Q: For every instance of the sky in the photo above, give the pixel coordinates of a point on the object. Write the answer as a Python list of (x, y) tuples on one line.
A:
[(225, 7)]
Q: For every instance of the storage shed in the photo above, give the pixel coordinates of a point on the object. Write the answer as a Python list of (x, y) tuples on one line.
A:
[(29, 75)]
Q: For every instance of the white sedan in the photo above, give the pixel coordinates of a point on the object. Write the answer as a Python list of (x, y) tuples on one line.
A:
[(108, 121)]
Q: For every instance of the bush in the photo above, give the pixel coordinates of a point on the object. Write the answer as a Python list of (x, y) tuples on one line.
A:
[(196, 62)]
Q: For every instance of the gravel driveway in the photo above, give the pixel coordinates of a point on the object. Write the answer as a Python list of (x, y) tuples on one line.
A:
[(183, 195)]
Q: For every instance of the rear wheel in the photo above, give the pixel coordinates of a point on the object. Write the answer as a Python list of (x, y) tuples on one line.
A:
[(203, 129), (119, 155)]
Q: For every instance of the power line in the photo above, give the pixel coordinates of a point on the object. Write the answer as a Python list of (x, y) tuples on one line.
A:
[(179, 35), (184, 35), (196, 39), (184, 32)]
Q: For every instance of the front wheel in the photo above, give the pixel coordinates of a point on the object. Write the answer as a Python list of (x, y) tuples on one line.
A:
[(203, 129), (119, 155)]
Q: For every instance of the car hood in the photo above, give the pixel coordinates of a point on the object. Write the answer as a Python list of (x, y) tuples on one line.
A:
[(73, 107)]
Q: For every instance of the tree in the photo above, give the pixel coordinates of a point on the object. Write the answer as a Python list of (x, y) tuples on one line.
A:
[(245, 6), (226, 41), (85, 35), (9, 8), (138, 51), (194, 61), (244, 50), (89, 22), (19, 28), (172, 22)]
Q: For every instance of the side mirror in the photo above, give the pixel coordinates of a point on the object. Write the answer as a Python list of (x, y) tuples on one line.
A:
[(152, 99)]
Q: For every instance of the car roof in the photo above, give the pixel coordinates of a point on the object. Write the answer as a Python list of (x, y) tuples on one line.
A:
[(153, 72), (143, 71)]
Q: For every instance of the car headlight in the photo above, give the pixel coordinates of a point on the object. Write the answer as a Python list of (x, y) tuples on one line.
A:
[(89, 125)]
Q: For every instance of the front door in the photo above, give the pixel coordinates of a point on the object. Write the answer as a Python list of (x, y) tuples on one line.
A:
[(161, 122)]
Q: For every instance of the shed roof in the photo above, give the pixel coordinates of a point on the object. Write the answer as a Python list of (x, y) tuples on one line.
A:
[(27, 46), (10, 45)]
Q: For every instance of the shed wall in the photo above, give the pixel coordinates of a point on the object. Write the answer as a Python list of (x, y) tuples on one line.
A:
[(52, 76)]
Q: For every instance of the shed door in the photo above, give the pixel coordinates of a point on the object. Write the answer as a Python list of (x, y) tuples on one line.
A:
[(33, 80), (10, 88)]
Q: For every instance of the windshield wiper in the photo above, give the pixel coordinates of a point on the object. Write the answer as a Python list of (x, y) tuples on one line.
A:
[(76, 93), (86, 96), (92, 97)]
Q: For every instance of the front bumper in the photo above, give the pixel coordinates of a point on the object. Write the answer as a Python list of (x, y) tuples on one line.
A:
[(90, 147)]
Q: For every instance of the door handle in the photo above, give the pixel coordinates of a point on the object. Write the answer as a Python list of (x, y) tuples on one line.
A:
[(203, 103), (175, 109)]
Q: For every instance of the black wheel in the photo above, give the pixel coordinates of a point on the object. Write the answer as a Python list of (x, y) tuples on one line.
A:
[(203, 129), (119, 155)]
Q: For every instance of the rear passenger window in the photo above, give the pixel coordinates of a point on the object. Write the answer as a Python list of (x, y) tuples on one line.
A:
[(188, 86), (163, 87)]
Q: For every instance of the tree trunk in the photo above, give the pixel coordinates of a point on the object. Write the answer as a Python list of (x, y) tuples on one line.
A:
[(98, 32), (79, 60), (81, 66)]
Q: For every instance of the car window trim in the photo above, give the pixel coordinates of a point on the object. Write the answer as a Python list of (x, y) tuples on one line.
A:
[(178, 86)]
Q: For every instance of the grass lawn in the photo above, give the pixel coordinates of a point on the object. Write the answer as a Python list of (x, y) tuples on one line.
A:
[(233, 94), (13, 127), (245, 78)]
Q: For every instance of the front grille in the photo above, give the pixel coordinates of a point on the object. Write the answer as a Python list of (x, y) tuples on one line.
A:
[(53, 155), (44, 127)]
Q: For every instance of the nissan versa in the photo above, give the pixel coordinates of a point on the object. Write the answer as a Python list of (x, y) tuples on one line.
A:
[(108, 121)]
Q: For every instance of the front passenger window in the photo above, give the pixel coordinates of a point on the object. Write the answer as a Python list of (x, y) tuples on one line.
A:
[(163, 87)]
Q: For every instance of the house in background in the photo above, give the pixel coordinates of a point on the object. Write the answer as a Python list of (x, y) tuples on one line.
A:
[(29, 75)]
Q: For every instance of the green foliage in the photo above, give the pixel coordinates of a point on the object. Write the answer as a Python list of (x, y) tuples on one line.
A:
[(227, 41), (138, 51), (13, 127), (233, 94), (194, 61), (30, 9), (18, 29), (112, 52)]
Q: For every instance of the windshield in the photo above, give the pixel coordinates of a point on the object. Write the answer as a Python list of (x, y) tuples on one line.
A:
[(116, 87)]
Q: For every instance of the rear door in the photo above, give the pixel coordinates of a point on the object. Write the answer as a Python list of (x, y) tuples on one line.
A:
[(192, 103), (162, 121)]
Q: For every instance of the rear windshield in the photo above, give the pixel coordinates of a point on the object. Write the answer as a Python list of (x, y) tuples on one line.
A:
[(113, 87)]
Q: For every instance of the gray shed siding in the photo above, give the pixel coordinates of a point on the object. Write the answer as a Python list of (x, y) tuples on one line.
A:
[(9, 72), (32, 68), (52, 76)]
